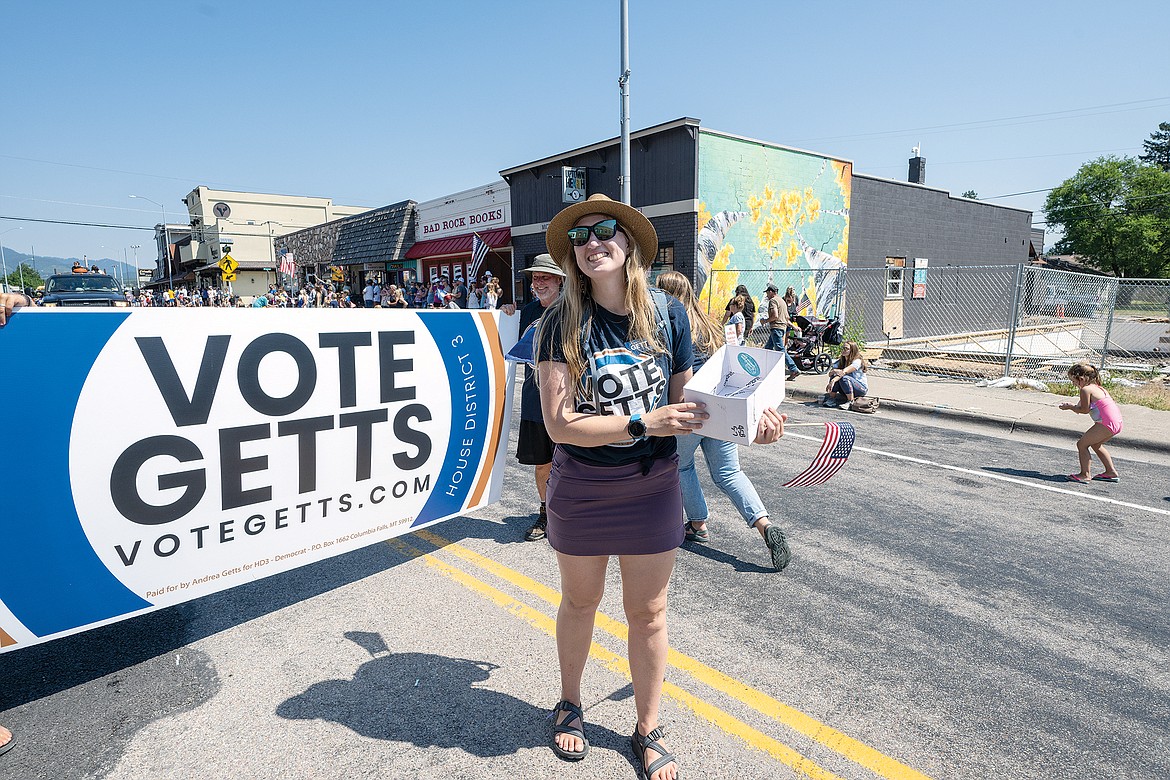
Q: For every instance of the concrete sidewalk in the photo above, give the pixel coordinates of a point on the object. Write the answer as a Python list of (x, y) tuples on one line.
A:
[(1004, 408)]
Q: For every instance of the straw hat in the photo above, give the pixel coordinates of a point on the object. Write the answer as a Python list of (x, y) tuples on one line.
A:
[(544, 264), (632, 222)]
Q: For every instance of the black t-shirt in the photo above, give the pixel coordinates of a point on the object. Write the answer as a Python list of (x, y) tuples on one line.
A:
[(621, 378), (461, 295), (529, 392)]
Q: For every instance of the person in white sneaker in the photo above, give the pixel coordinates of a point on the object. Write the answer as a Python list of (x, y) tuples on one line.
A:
[(847, 379)]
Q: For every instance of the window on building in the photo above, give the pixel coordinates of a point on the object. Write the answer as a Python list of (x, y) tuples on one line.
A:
[(895, 266), (663, 261)]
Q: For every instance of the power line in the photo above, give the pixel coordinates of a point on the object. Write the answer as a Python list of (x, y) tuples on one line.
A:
[(985, 123)]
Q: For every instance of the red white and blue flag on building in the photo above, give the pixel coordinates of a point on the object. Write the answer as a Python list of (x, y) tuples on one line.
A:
[(288, 264), (830, 459), (479, 250)]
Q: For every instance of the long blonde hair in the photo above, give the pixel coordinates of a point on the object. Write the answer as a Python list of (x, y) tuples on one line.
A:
[(705, 334), (573, 311)]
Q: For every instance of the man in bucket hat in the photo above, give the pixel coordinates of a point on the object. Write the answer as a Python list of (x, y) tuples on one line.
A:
[(535, 448)]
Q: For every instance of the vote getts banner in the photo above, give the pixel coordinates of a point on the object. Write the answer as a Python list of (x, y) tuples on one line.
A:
[(163, 455)]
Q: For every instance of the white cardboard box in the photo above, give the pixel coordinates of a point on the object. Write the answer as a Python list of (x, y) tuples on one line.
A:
[(737, 384)]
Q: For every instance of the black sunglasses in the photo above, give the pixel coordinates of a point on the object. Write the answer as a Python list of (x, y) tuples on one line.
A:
[(604, 230)]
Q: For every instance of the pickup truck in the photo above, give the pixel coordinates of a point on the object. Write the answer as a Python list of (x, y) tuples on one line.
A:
[(83, 290)]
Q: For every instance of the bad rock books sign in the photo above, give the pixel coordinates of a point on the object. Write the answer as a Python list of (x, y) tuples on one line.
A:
[(169, 454)]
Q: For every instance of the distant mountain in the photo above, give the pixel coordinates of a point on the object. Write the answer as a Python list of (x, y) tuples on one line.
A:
[(47, 266)]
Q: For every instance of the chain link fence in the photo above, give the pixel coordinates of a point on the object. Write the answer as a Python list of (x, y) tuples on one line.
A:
[(978, 322), (819, 293)]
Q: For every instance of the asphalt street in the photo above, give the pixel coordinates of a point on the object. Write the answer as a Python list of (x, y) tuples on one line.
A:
[(954, 609)]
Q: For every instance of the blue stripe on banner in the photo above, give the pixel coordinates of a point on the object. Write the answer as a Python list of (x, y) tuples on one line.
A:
[(469, 378), (50, 577)]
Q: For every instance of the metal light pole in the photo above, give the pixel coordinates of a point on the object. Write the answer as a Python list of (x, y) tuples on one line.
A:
[(166, 235), (624, 83), (4, 262)]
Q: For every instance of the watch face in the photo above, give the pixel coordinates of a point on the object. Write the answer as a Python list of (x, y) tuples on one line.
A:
[(636, 429)]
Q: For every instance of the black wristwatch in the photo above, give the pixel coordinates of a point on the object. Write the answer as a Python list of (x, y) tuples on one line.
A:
[(636, 428)]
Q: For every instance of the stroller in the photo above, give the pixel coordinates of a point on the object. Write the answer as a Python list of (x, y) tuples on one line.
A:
[(810, 349)]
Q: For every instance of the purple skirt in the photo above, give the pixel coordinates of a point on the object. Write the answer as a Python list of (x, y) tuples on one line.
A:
[(613, 510)]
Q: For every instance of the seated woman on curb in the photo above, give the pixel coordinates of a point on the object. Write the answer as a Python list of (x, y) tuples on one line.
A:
[(847, 379)]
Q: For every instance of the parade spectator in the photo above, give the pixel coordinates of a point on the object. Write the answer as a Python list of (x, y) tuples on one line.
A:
[(722, 456), (1096, 402), (847, 379), (613, 488), (534, 447), (368, 294), (492, 294), (749, 309), (394, 299), (776, 319), (791, 303), (734, 317), (460, 293), (475, 297), (420, 295)]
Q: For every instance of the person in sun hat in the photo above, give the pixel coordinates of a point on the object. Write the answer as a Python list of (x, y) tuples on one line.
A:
[(534, 447), (612, 359)]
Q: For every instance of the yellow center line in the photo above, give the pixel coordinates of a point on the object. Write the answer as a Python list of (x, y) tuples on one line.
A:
[(619, 665), (852, 749)]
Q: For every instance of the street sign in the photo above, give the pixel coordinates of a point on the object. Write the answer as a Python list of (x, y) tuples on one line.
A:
[(228, 265), (229, 277)]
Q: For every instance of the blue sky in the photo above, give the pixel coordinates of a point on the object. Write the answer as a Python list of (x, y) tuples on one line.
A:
[(371, 103)]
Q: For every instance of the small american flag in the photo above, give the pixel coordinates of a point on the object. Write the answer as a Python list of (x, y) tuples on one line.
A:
[(830, 459), (479, 250)]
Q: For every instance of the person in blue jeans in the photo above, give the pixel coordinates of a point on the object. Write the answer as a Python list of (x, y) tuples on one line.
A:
[(722, 456), (776, 318)]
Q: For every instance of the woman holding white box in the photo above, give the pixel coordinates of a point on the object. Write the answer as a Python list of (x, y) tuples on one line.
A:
[(722, 456)]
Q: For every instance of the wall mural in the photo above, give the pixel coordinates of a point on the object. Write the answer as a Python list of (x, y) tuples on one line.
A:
[(784, 214)]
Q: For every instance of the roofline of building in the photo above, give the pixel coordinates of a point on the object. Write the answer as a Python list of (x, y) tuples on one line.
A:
[(405, 205), (249, 195), (857, 175), (486, 189), (772, 145), (685, 121)]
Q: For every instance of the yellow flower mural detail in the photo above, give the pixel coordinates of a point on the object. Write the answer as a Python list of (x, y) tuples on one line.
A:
[(720, 287), (794, 254), (704, 216), (778, 216)]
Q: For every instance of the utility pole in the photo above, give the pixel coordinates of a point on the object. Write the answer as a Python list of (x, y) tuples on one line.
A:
[(624, 83)]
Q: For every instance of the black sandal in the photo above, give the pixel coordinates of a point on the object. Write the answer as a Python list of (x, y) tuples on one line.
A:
[(538, 530), (641, 744), (573, 731)]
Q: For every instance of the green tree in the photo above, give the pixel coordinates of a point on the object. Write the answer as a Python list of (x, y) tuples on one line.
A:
[(1158, 147), (1115, 213), (972, 194), (24, 277)]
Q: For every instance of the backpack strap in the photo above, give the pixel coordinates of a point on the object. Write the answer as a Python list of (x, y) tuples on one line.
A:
[(662, 316)]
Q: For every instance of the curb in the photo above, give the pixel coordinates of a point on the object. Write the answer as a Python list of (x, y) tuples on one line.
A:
[(983, 418)]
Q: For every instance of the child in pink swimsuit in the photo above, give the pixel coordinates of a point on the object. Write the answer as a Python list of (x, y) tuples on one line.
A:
[(1096, 402)]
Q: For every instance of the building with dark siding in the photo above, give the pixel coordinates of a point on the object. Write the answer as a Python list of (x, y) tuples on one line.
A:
[(732, 210)]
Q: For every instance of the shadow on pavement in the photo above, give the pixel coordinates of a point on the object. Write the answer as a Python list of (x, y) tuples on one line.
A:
[(1028, 474), (47, 669), (507, 530), (711, 554), (431, 700)]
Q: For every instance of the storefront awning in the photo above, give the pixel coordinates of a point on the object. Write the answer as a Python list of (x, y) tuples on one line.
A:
[(459, 245)]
